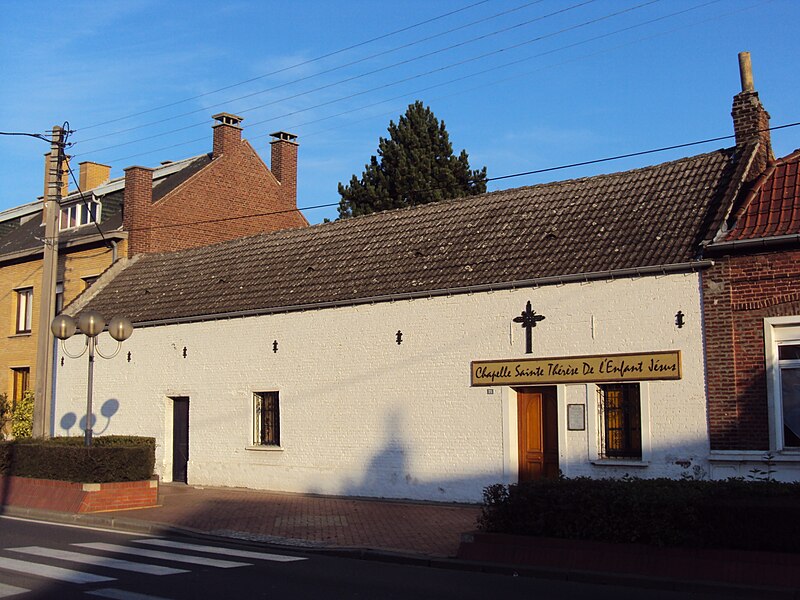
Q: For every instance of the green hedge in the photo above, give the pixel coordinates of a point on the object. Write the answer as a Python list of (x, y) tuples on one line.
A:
[(111, 458), (757, 515)]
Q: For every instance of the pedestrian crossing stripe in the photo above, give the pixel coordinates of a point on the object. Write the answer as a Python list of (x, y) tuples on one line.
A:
[(218, 550), (116, 594), (98, 561), (11, 590), (49, 572), (172, 556)]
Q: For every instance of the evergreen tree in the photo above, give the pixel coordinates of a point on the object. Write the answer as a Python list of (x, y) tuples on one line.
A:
[(415, 165)]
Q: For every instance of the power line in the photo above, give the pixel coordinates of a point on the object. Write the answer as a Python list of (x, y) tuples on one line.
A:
[(331, 70), (356, 77), (497, 178), (468, 76), (502, 66), (406, 79), (290, 67)]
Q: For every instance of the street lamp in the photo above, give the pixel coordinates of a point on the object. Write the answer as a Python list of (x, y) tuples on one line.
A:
[(91, 324)]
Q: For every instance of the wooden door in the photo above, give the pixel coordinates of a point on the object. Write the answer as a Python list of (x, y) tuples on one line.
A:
[(537, 418), (180, 439)]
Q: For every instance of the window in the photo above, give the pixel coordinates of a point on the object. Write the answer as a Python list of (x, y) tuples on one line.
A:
[(621, 423), (81, 213), (782, 337), (88, 281), (59, 298), (24, 310), (266, 421), (21, 377)]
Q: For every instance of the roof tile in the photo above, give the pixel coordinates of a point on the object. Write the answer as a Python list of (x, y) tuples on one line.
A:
[(645, 217)]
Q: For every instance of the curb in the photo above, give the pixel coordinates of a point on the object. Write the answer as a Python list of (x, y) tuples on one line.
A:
[(396, 557)]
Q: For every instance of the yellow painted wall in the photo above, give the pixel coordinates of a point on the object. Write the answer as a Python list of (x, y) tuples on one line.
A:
[(19, 350)]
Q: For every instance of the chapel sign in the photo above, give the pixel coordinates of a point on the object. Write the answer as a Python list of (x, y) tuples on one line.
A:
[(604, 368)]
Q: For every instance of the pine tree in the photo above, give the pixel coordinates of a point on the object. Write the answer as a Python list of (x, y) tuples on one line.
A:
[(415, 165)]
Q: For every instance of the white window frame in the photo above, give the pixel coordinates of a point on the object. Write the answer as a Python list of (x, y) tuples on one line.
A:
[(24, 310), (777, 330), (79, 213)]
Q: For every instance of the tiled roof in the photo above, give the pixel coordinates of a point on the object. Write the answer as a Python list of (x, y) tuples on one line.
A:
[(774, 204), (647, 217), (28, 236)]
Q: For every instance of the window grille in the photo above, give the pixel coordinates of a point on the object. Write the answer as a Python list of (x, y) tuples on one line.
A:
[(619, 409), (266, 419)]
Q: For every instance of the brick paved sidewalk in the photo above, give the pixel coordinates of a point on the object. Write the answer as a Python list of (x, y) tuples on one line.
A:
[(425, 528)]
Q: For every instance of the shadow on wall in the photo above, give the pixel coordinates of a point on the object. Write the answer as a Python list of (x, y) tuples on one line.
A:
[(107, 411), (389, 473)]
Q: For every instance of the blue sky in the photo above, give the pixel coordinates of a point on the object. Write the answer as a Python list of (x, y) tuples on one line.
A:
[(521, 85)]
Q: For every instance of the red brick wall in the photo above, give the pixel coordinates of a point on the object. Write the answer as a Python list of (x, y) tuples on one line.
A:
[(138, 202), (739, 292), (65, 496), (234, 196)]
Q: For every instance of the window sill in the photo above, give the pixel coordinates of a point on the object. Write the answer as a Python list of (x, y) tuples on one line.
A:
[(620, 462), (264, 448), (20, 334), (754, 456)]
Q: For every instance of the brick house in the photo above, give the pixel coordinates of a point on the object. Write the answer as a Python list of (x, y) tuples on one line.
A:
[(225, 194), (751, 300)]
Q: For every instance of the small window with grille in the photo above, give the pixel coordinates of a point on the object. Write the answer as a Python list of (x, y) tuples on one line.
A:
[(266, 419), (619, 406)]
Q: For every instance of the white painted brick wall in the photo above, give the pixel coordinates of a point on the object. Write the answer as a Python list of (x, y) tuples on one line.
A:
[(361, 415)]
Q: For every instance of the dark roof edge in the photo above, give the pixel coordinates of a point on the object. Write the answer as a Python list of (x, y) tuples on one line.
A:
[(490, 287), (114, 269), (754, 243), (743, 161), (81, 241)]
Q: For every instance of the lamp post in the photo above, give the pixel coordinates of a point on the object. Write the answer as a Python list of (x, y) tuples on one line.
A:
[(91, 324)]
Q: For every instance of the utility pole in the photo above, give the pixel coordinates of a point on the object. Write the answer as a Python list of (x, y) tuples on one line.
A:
[(42, 408)]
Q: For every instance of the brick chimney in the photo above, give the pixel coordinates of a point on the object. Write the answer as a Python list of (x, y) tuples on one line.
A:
[(227, 133), (750, 119), (284, 164), (92, 174), (137, 203)]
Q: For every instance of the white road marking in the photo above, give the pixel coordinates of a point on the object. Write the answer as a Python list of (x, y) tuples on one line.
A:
[(49, 572), (122, 595), (99, 561), (195, 560), (70, 525), (218, 550), (10, 590)]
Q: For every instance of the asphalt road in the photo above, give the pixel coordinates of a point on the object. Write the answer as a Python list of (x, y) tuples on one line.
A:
[(42, 560)]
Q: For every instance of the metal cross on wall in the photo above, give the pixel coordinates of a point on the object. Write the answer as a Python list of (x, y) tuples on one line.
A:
[(528, 319)]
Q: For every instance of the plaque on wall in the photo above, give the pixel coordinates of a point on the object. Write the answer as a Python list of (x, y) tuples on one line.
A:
[(576, 417)]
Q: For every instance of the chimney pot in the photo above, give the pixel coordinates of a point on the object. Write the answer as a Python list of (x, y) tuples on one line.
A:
[(284, 165), (746, 72), (227, 133)]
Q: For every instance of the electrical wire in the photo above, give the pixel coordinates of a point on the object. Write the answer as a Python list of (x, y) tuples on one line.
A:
[(396, 82), (492, 70), (441, 84), (290, 67), (487, 179), (205, 109)]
